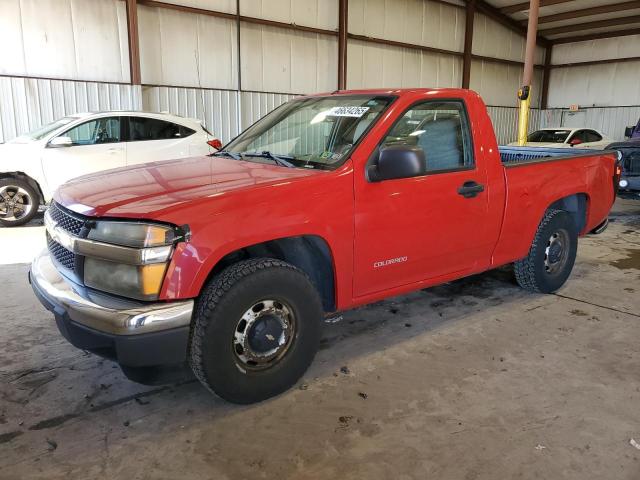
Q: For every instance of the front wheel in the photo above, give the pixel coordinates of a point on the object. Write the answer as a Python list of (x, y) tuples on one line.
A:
[(551, 256), (19, 202), (256, 329)]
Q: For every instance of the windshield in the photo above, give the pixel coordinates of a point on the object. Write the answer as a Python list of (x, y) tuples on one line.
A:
[(316, 132), (549, 136), (41, 132)]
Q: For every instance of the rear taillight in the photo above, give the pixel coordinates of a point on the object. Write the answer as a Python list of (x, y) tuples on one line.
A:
[(617, 173), (215, 143)]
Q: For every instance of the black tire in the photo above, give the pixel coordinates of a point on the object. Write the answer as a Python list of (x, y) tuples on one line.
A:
[(538, 272), (231, 294), (16, 188)]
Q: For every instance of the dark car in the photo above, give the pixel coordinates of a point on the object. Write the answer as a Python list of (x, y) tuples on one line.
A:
[(630, 150)]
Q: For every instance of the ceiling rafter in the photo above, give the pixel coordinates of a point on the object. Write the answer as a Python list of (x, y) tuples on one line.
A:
[(613, 22), (521, 7), (596, 36), (495, 13), (587, 12)]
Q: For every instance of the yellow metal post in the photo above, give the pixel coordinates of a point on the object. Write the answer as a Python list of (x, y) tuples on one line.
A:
[(524, 94), (523, 120)]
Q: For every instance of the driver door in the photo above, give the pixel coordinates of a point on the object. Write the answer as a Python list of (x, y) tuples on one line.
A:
[(96, 145), (415, 229)]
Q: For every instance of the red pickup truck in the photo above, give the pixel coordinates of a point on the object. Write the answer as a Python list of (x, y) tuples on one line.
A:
[(228, 263)]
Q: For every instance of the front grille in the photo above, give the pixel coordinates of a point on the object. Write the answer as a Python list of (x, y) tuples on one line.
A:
[(631, 160), (66, 220), (63, 256)]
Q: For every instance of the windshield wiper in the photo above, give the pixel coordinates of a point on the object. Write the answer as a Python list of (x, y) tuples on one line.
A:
[(226, 153), (282, 160)]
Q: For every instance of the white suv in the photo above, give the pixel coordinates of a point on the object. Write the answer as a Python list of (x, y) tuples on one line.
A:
[(34, 165)]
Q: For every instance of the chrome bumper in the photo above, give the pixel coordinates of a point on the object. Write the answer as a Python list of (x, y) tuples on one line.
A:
[(102, 312)]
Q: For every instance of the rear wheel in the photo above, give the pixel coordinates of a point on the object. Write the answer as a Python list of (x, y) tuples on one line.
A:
[(256, 330), (551, 256), (19, 202)]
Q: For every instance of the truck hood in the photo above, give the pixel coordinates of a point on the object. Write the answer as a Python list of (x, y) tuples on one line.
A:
[(149, 189)]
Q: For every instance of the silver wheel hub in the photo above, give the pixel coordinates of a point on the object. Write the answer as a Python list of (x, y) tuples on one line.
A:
[(556, 252), (15, 203), (263, 334)]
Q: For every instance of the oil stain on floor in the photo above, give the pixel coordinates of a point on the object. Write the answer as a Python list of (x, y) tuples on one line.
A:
[(631, 261)]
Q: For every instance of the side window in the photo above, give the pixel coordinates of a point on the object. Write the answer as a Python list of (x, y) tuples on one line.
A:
[(441, 129), (100, 130), (592, 136), (579, 135), (141, 128)]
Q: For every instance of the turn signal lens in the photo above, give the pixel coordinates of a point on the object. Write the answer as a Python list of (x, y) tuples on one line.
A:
[(151, 277)]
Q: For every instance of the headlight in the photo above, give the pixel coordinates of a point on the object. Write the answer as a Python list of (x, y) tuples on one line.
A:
[(624, 183), (142, 282), (130, 234), (128, 258)]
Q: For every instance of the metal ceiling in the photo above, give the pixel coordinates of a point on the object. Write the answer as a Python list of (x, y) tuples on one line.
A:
[(563, 21)]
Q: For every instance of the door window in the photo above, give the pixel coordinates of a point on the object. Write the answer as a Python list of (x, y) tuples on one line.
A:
[(141, 129), (579, 135), (98, 131), (441, 129), (592, 136)]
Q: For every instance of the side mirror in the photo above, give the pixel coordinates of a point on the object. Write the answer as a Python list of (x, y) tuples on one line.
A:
[(575, 141), (398, 161), (60, 142), (628, 132), (215, 143)]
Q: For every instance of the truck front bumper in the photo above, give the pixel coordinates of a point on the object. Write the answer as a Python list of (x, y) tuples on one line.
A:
[(134, 334)]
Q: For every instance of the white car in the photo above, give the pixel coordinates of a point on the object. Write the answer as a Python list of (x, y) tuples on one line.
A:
[(567, 138), (34, 165)]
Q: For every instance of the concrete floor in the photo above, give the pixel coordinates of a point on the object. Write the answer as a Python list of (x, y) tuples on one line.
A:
[(472, 380)]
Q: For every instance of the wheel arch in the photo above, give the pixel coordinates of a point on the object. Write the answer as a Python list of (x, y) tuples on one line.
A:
[(309, 253), (31, 181), (576, 205)]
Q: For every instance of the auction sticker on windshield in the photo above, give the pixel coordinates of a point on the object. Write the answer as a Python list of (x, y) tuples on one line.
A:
[(348, 111)]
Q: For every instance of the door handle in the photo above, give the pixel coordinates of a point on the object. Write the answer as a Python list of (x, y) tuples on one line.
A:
[(470, 189)]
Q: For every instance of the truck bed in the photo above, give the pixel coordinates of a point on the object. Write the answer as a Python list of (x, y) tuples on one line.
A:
[(518, 155)]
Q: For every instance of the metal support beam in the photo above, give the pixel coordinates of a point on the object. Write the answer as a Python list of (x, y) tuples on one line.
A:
[(134, 42), (468, 43), (546, 74), (525, 92), (587, 12), (343, 26), (612, 22), (597, 36), (492, 12), (521, 7)]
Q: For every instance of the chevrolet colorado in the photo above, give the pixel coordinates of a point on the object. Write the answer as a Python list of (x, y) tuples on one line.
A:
[(229, 262)]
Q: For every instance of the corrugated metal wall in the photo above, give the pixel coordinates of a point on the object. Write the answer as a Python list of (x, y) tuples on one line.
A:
[(373, 65), (419, 22), (27, 103), (498, 83), (600, 85), (610, 120), (226, 112), (74, 39), (187, 50), (502, 92), (505, 122)]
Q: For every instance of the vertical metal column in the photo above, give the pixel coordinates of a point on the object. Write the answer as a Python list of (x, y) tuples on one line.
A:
[(544, 94), (134, 42), (343, 25), (468, 43), (524, 94)]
